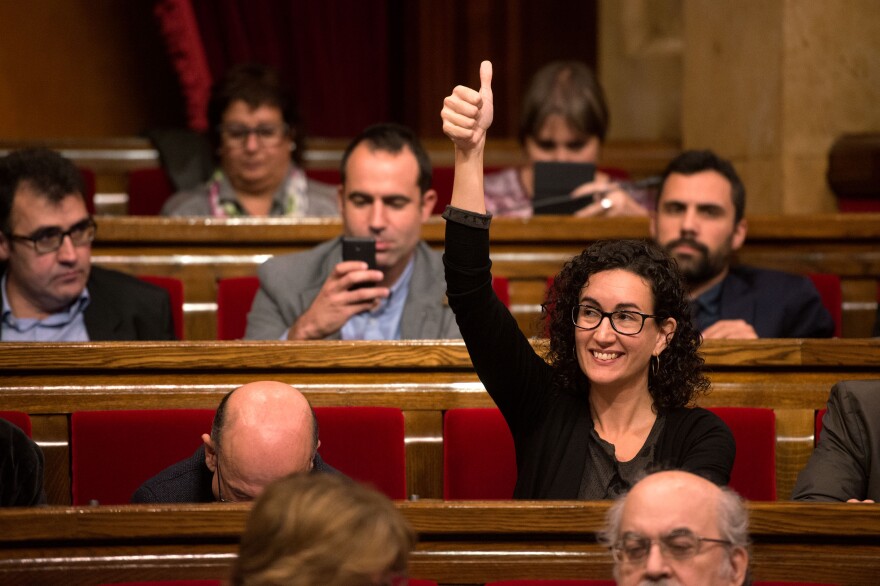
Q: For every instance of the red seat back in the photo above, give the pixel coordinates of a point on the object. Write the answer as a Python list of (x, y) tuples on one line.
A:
[(777, 583), (168, 583), (479, 458), (88, 179), (114, 452), (175, 293), (829, 290), (148, 190), (820, 414), (502, 289), (366, 444), (328, 176), (754, 470), (235, 295), (19, 419)]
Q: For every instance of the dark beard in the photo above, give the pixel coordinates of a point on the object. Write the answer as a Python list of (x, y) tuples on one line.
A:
[(696, 270)]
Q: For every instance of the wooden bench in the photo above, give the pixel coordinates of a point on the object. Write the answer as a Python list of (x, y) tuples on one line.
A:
[(461, 543), (111, 158), (199, 251), (424, 379)]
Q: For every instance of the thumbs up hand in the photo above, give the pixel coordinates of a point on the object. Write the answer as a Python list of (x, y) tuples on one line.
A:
[(467, 113)]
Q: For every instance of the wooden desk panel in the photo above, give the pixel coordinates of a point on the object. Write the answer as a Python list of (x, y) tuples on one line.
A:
[(199, 251), (459, 543), (423, 379)]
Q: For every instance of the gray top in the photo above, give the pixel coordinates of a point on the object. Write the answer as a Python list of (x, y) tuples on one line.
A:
[(316, 199)]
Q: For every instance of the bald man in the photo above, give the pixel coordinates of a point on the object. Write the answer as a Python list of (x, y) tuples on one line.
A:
[(677, 527), (262, 431)]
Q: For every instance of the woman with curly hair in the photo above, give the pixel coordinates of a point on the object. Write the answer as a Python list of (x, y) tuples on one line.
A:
[(613, 399)]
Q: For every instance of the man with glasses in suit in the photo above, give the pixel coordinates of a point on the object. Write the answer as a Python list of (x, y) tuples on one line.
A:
[(675, 527), (50, 290)]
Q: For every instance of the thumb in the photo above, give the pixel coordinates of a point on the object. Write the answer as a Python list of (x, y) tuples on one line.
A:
[(486, 76)]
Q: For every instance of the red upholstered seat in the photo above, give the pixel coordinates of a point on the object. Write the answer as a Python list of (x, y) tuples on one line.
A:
[(114, 452), (22, 420), (502, 289), (777, 583), (832, 297), (235, 295), (88, 178), (754, 470), (551, 583), (175, 293), (168, 583), (479, 459), (820, 415), (148, 190), (366, 444), (328, 176)]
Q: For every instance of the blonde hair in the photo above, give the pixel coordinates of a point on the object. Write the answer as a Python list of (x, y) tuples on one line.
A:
[(321, 529)]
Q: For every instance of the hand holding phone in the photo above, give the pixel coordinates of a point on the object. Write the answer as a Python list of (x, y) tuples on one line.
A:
[(554, 183), (362, 249)]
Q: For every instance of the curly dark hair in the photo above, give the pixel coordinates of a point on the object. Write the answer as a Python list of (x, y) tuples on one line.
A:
[(680, 378)]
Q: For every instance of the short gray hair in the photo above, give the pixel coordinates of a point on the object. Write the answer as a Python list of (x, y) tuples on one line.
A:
[(733, 522)]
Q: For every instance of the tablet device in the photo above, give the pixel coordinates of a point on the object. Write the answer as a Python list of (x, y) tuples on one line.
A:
[(554, 182)]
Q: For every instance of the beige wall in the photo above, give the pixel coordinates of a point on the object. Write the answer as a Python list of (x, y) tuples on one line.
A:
[(769, 84), (640, 60)]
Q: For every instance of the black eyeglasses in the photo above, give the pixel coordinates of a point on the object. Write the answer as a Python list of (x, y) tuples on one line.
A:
[(628, 323), (220, 484), (49, 240), (678, 545), (267, 134)]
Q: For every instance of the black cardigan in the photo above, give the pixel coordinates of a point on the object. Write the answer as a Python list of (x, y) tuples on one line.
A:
[(551, 429)]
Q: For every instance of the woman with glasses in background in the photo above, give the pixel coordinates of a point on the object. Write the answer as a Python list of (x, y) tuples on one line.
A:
[(257, 137), (612, 399), (564, 119)]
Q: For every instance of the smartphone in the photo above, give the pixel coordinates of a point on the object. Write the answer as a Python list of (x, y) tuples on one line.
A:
[(554, 182), (364, 249)]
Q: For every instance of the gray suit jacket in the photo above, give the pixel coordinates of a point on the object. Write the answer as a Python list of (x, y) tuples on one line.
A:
[(289, 284), (846, 463)]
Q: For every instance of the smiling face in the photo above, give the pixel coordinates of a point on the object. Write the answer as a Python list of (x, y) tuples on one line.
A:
[(381, 199), (41, 284), (254, 164), (611, 360)]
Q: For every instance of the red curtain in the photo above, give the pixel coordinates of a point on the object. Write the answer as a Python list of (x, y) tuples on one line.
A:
[(334, 54)]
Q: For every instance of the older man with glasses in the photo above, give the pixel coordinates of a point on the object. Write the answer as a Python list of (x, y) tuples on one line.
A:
[(50, 290), (675, 527)]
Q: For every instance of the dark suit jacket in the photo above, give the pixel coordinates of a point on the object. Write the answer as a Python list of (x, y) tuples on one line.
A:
[(846, 463), (190, 480), (123, 307), (776, 304)]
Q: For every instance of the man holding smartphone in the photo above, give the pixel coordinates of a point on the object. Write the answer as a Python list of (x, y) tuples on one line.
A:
[(385, 196)]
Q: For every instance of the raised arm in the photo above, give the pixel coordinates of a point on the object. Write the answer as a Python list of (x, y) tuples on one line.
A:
[(467, 115)]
